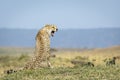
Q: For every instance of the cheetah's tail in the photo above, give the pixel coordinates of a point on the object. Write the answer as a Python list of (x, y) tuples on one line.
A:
[(10, 71)]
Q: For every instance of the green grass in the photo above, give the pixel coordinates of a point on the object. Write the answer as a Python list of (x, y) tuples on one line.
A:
[(15, 58), (61, 73)]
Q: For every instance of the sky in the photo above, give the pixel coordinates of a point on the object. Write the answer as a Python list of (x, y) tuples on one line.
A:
[(66, 14)]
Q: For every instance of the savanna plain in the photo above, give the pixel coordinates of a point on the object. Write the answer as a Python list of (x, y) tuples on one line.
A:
[(68, 64)]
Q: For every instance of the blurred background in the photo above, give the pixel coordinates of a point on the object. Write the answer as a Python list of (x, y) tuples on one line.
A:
[(81, 23)]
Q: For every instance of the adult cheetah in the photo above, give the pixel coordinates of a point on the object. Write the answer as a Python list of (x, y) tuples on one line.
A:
[(42, 48)]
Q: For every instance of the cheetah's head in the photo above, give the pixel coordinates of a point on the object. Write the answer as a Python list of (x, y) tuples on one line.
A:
[(51, 29)]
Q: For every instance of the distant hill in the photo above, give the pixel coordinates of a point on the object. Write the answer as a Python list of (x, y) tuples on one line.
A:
[(69, 38)]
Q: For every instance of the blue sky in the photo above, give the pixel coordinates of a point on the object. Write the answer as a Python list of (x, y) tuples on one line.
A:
[(33, 14)]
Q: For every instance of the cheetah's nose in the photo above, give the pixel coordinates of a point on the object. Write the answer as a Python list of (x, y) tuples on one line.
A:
[(56, 29)]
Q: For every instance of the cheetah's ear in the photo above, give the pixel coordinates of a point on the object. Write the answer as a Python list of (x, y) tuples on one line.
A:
[(47, 25)]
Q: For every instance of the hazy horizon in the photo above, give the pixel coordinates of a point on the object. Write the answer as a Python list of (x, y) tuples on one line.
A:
[(66, 38)]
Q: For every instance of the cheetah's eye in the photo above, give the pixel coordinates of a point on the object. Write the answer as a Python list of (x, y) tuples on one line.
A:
[(53, 27)]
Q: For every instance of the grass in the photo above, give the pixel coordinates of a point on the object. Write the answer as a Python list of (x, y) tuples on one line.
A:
[(61, 73), (15, 58)]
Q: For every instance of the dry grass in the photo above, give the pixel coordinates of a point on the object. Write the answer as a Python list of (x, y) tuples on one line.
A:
[(14, 58), (95, 55)]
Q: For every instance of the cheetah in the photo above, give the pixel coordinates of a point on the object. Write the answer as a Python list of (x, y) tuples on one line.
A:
[(42, 48)]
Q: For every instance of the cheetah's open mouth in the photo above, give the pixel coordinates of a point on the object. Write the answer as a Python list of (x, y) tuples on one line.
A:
[(52, 33)]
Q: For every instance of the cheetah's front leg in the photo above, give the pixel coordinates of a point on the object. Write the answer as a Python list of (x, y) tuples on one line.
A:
[(48, 63)]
